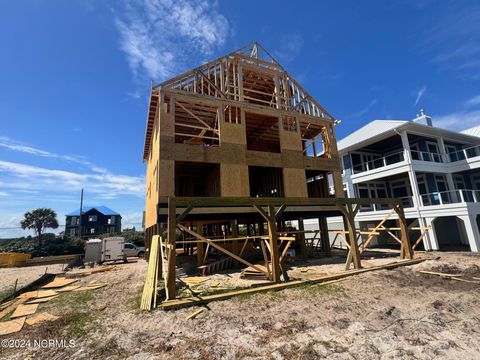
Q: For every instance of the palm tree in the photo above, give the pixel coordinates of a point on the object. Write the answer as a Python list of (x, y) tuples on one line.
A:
[(39, 220)]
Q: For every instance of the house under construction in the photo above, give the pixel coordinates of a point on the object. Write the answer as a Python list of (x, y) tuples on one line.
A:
[(237, 151)]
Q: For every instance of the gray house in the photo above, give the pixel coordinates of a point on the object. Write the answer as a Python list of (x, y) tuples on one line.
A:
[(95, 220)]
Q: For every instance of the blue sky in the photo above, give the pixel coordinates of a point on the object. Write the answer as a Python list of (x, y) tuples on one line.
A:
[(74, 79)]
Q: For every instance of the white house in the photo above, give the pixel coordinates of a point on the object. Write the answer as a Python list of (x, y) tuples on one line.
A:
[(435, 172)]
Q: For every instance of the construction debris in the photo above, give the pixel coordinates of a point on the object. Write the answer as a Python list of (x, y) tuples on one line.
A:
[(324, 280), (11, 307), (37, 294), (90, 287), (59, 282), (195, 314), (12, 326), (39, 318), (68, 288), (24, 310), (439, 273), (41, 300)]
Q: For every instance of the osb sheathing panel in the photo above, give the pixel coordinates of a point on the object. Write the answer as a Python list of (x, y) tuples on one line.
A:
[(226, 153), (167, 178), (290, 140), (232, 133), (295, 182), (151, 181), (234, 180), (167, 124)]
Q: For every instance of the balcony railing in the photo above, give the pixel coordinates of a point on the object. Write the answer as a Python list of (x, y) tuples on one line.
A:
[(451, 197), (379, 162), (407, 202), (463, 154), (429, 156)]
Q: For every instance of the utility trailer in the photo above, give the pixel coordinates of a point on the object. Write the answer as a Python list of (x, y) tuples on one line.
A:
[(105, 250)]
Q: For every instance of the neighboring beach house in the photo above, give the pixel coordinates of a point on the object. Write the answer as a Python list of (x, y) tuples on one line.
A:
[(95, 220), (435, 172)]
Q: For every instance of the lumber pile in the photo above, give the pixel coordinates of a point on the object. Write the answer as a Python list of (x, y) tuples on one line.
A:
[(255, 274), (191, 301), (149, 295)]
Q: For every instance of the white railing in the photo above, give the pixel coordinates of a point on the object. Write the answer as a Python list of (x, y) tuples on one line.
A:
[(429, 156), (463, 154), (407, 202), (436, 157), (379, 162), (450, 197)]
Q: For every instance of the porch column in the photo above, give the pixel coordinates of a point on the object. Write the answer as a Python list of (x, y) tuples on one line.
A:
[(473, 233), (432, 243)]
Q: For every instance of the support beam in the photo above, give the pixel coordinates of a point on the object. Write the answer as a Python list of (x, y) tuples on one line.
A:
[(301, 239), (406, 251), (171, 249), (273, 239)]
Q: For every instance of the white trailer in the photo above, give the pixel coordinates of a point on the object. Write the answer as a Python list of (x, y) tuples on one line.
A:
[(103, 250)]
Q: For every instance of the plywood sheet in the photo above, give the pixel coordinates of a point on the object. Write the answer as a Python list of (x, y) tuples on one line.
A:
[(68, 288), (90, 287), (59, 282), (41, 317), (12, 326), (24, 310), (37, 294), (42, 300)]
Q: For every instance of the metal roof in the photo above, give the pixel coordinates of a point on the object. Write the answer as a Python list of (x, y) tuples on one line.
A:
[(103, 209), (381, 129), (370, 131), (473, 131)]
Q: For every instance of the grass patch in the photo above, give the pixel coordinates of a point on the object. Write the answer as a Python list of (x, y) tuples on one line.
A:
[(137, 299), (74, 310)]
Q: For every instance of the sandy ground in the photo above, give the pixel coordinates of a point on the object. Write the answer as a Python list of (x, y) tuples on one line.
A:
[(388, 314), (25, 275)]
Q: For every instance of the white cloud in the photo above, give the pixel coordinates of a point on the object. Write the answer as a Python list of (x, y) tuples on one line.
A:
[(20, 177), (160, 37), (132, 219), (474, 101), (365, 110), (290, 47), (420, 94), (458, 120), (17, 146)]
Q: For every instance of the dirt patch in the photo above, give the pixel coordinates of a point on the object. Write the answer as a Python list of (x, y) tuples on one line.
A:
[(392, 314)]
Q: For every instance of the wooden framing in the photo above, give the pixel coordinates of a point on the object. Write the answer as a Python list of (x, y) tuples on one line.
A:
[(230, 143), (180, 211)]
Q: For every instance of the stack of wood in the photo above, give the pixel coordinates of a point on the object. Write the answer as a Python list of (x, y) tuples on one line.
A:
[(149, 295), (254, 274)]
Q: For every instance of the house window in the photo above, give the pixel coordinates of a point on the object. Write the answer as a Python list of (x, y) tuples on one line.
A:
[(92, 231), (72, 232), (111, 220), (92, 218), (73, 220)]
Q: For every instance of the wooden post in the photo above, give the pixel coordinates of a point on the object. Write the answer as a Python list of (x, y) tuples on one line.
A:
[(325, 241), (235, 244), (406, 251), (273, 238), (160, 261), (200, 245), (353, 254), (171, 249), (301, 238)]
